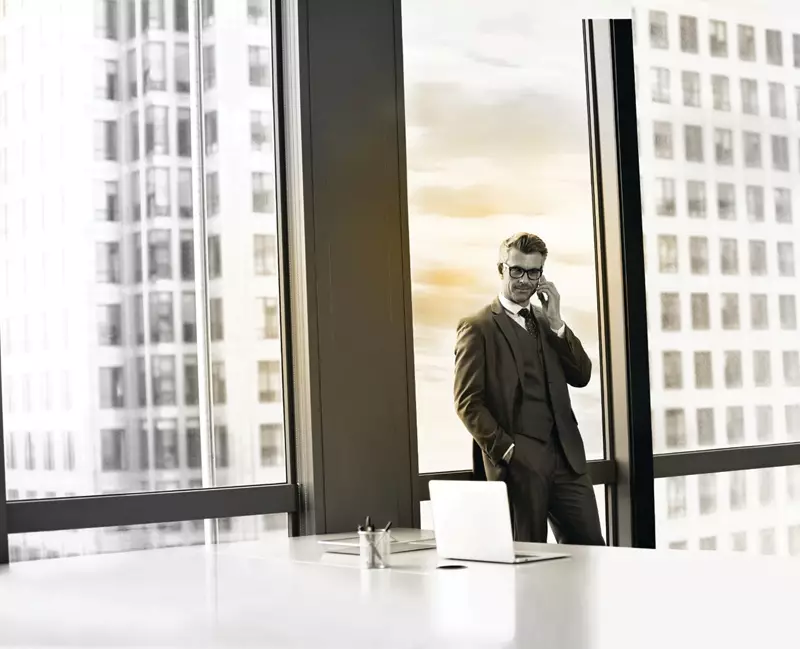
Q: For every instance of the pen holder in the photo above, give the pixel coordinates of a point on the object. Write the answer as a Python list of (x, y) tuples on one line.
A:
[(376, 549)]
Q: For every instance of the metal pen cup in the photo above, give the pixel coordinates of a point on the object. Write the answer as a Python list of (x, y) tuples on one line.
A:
[(375, 549)]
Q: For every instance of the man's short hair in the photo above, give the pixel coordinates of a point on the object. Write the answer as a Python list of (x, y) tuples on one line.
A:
[(525, 242)]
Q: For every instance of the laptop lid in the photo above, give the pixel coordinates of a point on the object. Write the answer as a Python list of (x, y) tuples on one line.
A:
[(471, 520)]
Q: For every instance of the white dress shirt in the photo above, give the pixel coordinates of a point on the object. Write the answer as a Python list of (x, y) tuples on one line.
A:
[(512, 310)]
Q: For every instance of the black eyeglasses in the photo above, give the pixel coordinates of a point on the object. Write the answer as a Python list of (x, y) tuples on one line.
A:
[(516, 272)]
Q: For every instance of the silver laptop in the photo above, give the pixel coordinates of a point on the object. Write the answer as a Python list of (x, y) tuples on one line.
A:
[(472, 522)]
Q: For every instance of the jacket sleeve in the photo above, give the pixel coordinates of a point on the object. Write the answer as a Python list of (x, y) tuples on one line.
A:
[(470, 393), (576, 363)]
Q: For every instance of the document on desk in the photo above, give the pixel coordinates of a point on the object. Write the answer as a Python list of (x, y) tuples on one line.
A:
[(351, 545)]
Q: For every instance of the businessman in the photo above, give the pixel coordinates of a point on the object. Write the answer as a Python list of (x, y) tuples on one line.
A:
[(514, 361)]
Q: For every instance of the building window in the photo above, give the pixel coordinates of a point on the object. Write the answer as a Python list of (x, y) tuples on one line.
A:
[(786, 259), (791, 368), (676, 497), (780, 153), (689, 39), (703, 372), (659, 35), (166, 431), (219, 389), (796, 49), (184, 133), (693, 139), (221, 458), (138, 318), (162, 318), (752, 150), (132, 74), (259, 63), (209, 67), (698, 255), (759, 314), (152, 14), (665, 197), (675, 426), (107, 200), (157, 131), (718, 38), (738, 490), (783, 205), (758, 258), (133, 131), (787, 307), (747, 43), (774, 47), (263, 192), (158, 192), (105, 140), (730, 311), (260, 131), (185, 207), (766, 539), (108, 263), (214, 257), (701, 312), (191, 387), (258, 12), (662, 140), (30, 456), (182, 74), (734, 424), (696, 199), (762, 368), (211, 132), (217, 319), (721, 91), (106, 80), (691, 89), (749, 96), (723, 146), (673, 373), (193, 449), (212, 193), (155, 67), (705, 427), (189, 317), (755, 203), (793, 482), (792, 414), (265, 255), (766, 487), (269, 326), (181, 16), (106, 19), (729, 256), (109, 324), (733, 369), (661, 85), (208, 12), (777, 100), (726, 201), (114, 450), (144, 446), (271, 444), (764, 423), (667, 253), (707, 487), (670, 312), (159, 244), (49, 456), (112, 387), (163, 368), (187, 255), (269, 381)]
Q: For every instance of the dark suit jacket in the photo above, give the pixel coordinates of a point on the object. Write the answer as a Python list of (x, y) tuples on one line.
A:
[(488, 390)]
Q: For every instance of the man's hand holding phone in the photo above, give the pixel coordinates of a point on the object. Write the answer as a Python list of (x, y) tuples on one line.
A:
[(551, 302)]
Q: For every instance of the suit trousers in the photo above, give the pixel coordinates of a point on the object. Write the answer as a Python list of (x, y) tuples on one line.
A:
[(542, 486)]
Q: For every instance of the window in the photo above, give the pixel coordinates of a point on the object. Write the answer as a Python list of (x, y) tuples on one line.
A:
[(260, 131), (106, 80), (703, 372), (265, 255), (155, 67), (661, 85), (259, 61), (163, 369), (162, 318), (159, 251), (670, 312), (166, 431), (786, 259), (133, 131), (208, 12), (222, 456), (689, 39), (662, 140), (157, 131), (780, 153), (269, 325), (698, 254), (108, 263), (693, 138), (738, 490), (730, 311), (774, 47), (668, 253), (659, 37), (665, 197), (185, 208), (729, 256), (217, 319), (794, 530), (796, 49), (211, 133), (106, 19), (718, 38), (691, 89), (187, 255), (214, 257), (271, 444), (755, 203), (138, 318), (726, 201), (733, 369), (184, 133), (766, 540), (219, 390), (191, 388), (133, 75), (792, 413), (189, 317), (193, 449), (212, 193), (705, 427), (734, 424), (701, 312), (787, 306), (258, 12), (113, 449), (181, 16), (721, 90), (209, 67), (263, 192), (749, 96), (269, 381), (105, 140), (112, 387), (758, 257), (759, 317), (747, 43), (109, 324), (797, 100), (182, 74), (723, 146), (762, 368), (30, 456), (152, 14), (707, 486), (675, 426), (107, 200), (696, 199), (777, 100), (158, 192), (752, 150), (783, 205), (676, 497), (791, 368), (673, 373), (764, 423)]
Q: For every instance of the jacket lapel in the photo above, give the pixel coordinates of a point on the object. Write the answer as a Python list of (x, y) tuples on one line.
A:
[(506, 326)]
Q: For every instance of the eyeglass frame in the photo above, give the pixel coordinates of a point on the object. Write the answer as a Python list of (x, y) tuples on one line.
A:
[(524, 271)]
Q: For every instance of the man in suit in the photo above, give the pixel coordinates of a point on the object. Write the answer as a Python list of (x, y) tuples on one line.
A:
[(514, 361)]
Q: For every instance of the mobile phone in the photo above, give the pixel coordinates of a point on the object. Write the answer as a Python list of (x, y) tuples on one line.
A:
[(542, 297)]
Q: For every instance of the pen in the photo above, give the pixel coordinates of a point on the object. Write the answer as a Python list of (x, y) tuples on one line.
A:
[(369, 527), (388, 526)]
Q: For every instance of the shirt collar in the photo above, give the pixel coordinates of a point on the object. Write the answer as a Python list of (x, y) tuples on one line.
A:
[(512, 307)]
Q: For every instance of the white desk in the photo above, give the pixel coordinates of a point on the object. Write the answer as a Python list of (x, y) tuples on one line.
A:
[(288, 593)]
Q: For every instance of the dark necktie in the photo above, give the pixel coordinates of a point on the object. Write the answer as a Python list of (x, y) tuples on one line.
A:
[(530, 321)]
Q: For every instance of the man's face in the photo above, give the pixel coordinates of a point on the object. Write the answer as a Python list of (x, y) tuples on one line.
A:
[(520, 290)]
